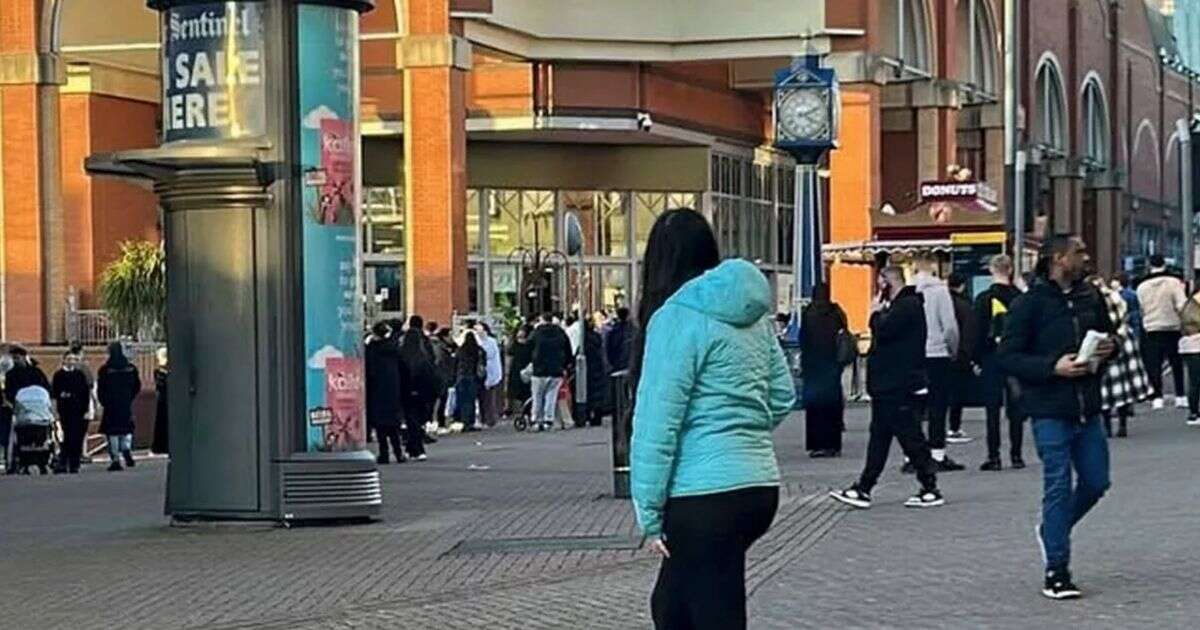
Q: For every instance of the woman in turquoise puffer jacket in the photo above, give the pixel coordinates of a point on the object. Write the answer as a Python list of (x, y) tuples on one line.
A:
[(712, 386)]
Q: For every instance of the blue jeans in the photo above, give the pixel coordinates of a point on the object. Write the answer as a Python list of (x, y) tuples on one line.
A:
[(1063, 445), (119, 444), (545, 398)]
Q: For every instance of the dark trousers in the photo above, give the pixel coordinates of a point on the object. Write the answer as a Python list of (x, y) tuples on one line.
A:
[(465, 392), (960, 384), (703, 584), (389, 439), (1016, 431), (823, 425), (74, 430), (896, 417), (1123, 415), (1160, 345), (941, 381), (439, 407), (1193, 391), (416, 415)]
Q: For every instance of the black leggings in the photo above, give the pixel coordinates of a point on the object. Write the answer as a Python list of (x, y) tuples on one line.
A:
[(389, 436), (703, 584)]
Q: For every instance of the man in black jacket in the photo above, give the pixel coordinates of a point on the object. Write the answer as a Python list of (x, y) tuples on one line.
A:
[(551, 358), (894, 379), (991, 311), (1060, 391)]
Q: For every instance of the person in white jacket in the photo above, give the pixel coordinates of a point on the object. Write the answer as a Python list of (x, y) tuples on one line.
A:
[(941, 345), (490, 400), (1162, 296)]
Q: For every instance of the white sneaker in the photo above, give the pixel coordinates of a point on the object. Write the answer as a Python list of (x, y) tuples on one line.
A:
[(957, 437), (1157, 404), (1193, 421), (1181, 402)]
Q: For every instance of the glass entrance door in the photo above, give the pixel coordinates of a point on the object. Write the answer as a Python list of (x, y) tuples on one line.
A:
[(384, 288)]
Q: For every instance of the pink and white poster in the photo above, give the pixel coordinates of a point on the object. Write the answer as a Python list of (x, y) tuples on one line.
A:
[(337, 161), (344, 390)]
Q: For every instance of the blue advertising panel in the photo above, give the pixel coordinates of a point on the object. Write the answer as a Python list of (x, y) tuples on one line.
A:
[(213, 78), (333, 311)]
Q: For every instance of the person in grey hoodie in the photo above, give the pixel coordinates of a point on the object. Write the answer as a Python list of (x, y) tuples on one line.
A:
[(941, 345)]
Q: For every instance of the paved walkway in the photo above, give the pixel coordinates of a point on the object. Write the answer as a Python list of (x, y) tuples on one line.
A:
[(72, 546)]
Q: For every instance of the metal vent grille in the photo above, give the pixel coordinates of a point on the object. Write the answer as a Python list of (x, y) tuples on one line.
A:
[(334, 488)]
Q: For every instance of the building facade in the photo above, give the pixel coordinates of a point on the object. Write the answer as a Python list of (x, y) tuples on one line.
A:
[(486, 121)]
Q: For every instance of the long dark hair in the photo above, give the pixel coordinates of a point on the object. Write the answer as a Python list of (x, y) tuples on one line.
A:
[(681, 247)]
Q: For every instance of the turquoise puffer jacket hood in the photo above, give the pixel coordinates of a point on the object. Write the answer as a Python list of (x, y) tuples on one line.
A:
[(735, 292), (714, 385)]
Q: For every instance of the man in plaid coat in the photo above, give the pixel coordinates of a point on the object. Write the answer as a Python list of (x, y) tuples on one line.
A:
[(1125, 381)]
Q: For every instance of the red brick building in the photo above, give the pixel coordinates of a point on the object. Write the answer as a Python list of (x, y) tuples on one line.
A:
[(484, 121)]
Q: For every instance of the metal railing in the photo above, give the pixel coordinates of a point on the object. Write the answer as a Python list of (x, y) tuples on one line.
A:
[(90, 327)]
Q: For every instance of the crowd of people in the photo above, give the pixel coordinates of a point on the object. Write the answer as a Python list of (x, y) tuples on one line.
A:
[(1061, 349), (1068, 352), (424, 380), (73, 396)]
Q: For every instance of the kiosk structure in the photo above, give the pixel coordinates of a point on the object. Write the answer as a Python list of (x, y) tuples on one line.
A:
[(258, 176)]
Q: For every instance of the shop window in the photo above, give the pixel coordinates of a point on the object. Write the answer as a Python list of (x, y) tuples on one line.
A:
[(646, 209), (505, 286), (1050, 109), (474, 218), (977, 49), (383, 220), (473, 289), (583, 204), (972, 151), (537, 219), (504, 221), (613, 224), (1096, 130), (904, 29)]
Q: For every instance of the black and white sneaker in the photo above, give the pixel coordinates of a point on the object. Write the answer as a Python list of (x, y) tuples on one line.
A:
[(1059, 586), (949, 465), (930, 497), (852, 496)]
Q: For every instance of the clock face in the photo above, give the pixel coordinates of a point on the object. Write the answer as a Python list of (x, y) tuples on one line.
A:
[(803, 115)]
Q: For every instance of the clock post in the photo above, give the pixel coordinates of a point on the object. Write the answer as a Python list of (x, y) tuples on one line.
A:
[(807, 111)]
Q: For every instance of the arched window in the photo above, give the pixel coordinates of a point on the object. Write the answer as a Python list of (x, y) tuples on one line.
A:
[(977, 46), (1095, 121), (904, 32), (1049, 122)]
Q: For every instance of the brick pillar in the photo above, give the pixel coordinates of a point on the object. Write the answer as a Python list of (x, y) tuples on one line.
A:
[(33, 295), (855, 187), (435, 156)]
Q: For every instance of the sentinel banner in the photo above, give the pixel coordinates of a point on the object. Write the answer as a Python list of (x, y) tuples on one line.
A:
[(213, 83)]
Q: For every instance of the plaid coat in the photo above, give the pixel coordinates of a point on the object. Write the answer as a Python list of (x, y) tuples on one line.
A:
[(1125, 380)]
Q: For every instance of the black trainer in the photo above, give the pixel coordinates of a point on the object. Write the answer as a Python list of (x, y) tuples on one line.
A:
[(1018, 463), (1059, 586), (992, 464), (949, 465), (853, 496), (927, 498)]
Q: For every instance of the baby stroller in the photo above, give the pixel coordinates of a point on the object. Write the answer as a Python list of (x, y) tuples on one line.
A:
[(33, 424)]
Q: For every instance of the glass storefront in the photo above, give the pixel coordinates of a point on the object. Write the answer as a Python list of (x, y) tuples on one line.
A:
[(509, 230)]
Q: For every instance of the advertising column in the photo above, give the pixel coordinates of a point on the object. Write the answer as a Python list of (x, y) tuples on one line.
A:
[(333, 315)]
